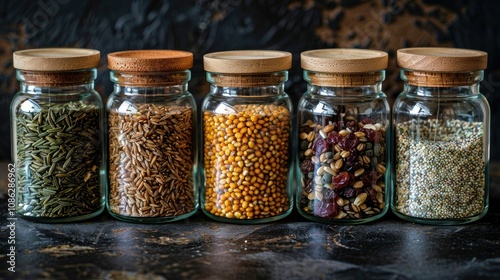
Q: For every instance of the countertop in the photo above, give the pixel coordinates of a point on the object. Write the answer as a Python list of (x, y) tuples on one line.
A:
[(292, 248)]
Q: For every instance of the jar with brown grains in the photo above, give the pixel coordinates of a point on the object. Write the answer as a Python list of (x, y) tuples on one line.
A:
[(343, 124), (441, 136), (247, 137), (152, 146), (57, 124)]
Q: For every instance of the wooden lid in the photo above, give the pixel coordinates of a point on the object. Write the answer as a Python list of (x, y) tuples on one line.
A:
[(442, 59), (247, 61), (150, 60), (343, 60), (56, 59)]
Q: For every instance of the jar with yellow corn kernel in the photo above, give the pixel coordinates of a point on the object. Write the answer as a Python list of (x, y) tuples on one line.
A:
[(343, 148), (247, 129)]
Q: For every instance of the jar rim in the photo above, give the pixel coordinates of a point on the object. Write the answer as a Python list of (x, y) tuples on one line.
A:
[(441, 79), (150, 78), (247, 80), (344, 79), (57, 78), (56, 59)]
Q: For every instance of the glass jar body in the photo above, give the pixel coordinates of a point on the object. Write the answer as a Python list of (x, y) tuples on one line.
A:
[(152, 149), (342, 161), (441, 151), (57, 125), (247, 130)]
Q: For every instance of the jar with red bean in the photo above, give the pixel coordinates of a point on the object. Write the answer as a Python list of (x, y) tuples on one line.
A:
[(342, 158)]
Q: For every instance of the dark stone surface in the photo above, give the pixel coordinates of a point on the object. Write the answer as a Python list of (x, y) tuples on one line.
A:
[(203, 26), (292, 248)]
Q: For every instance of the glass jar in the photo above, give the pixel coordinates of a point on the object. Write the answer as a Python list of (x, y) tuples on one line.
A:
[(57, 135), (247, 128), (152, 149), (342, 159), (441, 134)]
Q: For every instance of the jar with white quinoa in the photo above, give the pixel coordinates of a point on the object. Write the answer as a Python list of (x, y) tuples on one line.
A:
[(247, 128), (342, 162), (441, 134), (152, 137)]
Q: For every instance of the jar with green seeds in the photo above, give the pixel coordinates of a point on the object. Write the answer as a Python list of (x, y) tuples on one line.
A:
[(57, 135), (441, 137)]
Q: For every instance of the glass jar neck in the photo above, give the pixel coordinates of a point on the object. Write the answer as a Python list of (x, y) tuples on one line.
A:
[(35, 82), (344, 84), (438, 84), (258, 84), (169, 83)]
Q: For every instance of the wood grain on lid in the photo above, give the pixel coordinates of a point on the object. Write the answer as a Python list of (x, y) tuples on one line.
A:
[(343, 60), (247, 61), (442, 59), (56, 59), (150, 60)]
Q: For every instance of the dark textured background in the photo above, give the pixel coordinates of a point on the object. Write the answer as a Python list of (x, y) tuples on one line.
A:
[(208, 26)]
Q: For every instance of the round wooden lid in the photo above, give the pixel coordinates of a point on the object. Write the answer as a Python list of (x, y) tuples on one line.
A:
[(442, 59), (343, 60), (247, 61), (150, 60), (56, 59)]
